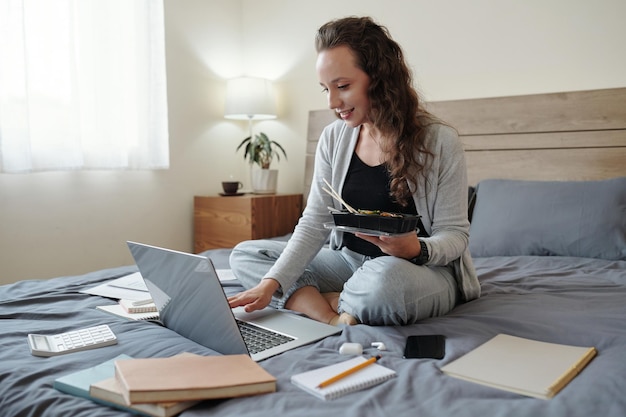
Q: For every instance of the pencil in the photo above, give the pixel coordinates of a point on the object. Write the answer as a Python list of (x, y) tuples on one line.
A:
[(349, 371)]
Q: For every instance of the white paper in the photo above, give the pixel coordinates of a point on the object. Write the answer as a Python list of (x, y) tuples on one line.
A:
[(225, 274), (131, 287)]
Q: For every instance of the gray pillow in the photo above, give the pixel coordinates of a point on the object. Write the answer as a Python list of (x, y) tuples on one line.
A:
[(573, 218)]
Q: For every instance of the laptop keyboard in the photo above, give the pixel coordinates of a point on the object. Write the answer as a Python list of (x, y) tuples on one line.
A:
[(258, 339)]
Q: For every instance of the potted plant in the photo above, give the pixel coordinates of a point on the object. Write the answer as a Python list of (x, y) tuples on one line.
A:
[(261, 150)]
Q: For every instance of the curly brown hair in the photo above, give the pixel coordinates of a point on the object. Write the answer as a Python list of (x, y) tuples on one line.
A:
[(396, 108)]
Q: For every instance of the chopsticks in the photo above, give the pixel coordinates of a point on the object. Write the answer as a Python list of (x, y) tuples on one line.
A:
[(334, 194)]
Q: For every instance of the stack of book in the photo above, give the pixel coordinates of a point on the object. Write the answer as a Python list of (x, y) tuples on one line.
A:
[(164, 387), (133, 310)]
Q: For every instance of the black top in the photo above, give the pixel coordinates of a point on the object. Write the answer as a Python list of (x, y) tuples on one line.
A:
[(367, 188)]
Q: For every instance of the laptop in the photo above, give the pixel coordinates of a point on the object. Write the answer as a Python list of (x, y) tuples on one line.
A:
[(191, 301)]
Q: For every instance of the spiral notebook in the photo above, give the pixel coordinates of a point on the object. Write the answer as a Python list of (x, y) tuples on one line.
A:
[(118, 310), (369, 376), (142, 306)]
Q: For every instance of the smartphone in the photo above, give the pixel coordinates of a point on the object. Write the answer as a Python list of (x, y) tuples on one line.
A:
[(431, 346)]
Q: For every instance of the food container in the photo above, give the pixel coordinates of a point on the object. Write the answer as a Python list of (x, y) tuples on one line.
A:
[(392, 223)]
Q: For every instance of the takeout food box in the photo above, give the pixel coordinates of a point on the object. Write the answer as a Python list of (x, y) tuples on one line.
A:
[(388, 223)]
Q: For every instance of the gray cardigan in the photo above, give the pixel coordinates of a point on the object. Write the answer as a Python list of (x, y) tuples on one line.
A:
[(440, 198)]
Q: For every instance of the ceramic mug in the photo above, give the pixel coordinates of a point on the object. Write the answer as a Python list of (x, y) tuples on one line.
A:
[(231, 187)]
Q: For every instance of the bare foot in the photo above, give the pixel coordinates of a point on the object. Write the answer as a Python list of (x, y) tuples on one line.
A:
[(343, 318), (332, 298)]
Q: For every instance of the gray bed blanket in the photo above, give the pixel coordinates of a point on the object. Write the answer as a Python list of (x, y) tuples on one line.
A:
[(567, 300)]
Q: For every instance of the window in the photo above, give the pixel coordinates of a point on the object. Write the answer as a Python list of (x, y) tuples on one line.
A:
[(82, 85)]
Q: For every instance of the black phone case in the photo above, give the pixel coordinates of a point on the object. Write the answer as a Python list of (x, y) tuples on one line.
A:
[(431, 346)]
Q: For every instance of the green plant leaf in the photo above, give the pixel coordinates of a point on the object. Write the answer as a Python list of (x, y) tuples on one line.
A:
[(260, 149)]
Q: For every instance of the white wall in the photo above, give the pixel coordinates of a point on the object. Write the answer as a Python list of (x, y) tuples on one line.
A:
[(456, 48), (66, 223)]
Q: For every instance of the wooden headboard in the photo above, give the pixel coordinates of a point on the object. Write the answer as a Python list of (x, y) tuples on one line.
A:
[(579, 135)]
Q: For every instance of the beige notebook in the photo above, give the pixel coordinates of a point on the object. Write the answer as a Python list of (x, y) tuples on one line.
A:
[(110, 390), (524, 366), (191, 377)]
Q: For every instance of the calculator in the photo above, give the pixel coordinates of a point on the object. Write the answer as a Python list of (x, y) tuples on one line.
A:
[(72, 341)]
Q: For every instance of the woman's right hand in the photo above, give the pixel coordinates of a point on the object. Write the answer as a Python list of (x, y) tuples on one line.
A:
[(255, 298)]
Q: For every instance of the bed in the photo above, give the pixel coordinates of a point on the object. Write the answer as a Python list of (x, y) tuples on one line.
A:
[(548, 238)]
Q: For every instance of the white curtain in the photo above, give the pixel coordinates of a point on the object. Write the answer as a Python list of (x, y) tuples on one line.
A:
[(82, 85)]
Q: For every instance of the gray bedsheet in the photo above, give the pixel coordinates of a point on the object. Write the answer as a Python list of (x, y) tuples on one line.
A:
[(557, 299)]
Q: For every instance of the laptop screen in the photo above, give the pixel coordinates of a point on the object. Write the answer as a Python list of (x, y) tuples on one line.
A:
[(189, 297)]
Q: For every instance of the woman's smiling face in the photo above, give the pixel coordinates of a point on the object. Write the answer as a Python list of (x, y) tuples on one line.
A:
[(345, 84)]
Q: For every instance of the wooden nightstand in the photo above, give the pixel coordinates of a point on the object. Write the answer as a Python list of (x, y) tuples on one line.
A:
[(222, 222)]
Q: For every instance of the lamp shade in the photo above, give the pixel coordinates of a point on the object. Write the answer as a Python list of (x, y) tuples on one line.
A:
[(249, 99)]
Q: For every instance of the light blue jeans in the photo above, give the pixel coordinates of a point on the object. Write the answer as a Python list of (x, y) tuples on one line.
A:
[(376, 291)]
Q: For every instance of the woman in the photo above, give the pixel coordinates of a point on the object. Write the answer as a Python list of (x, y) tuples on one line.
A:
[(386, 153)]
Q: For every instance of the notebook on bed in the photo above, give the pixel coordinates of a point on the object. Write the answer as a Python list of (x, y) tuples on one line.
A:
[(192, 302)]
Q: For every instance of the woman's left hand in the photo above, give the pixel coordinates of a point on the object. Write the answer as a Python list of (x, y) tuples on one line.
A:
[(405, 246)]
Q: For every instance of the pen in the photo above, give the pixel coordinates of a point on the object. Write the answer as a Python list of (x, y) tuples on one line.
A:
[(349, 371)]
